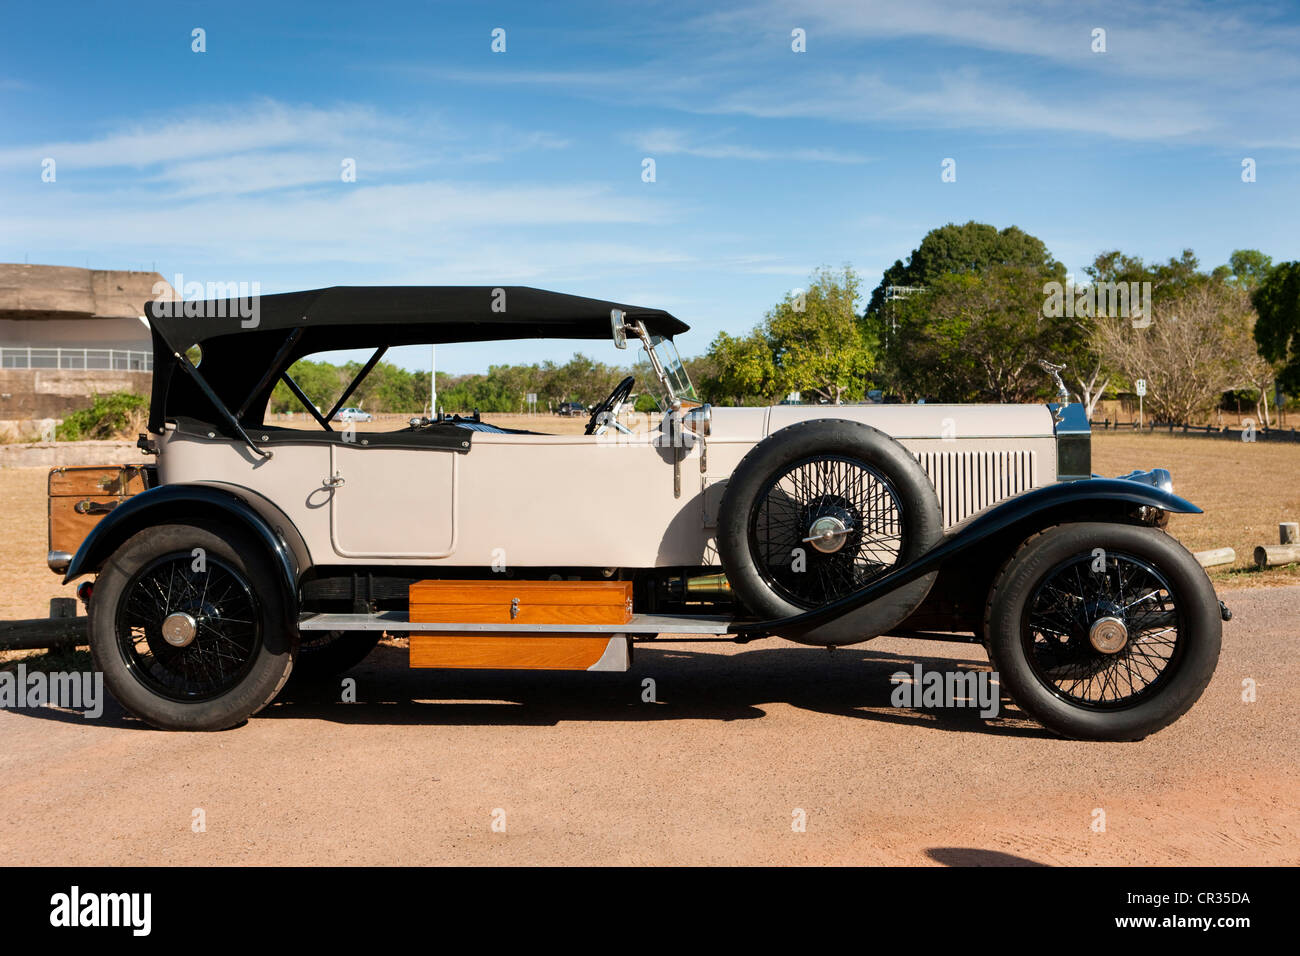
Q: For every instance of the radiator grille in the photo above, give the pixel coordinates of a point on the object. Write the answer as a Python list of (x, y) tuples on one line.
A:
[(969, 481)]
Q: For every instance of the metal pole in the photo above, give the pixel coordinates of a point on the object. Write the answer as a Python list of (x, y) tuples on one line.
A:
[(433, 381), (1139, 413)]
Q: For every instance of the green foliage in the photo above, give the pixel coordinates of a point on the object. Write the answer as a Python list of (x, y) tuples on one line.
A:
[(975, 336), (745, 369), (1249, 267), (1169, 280), (119, 415), (808, 342), (822, 347), (969, 248), (646, 402), (1277, 333), (502, 389)]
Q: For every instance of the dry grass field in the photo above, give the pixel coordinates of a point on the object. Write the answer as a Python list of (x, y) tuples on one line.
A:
[(1245, 489)]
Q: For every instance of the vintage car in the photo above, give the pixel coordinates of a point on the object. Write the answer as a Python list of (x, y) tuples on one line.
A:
[(257, 549)]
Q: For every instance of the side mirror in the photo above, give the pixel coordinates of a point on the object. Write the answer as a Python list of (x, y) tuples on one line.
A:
[(619, 327)]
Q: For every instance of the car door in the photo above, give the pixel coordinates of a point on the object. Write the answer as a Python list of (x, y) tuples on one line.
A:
[(392, 503)]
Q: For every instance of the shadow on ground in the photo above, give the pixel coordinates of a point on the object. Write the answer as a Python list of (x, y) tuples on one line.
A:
[(687, 685), (973, 856)]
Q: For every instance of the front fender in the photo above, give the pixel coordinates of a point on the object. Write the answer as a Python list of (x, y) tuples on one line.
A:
[(181, 503), (1046, 505)]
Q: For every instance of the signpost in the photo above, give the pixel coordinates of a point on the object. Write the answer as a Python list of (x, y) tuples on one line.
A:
[(433, 382), (1140, 386)]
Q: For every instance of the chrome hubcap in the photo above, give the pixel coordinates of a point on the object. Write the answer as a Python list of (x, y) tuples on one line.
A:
[(179, 628), (826, 534), (1108, 635)]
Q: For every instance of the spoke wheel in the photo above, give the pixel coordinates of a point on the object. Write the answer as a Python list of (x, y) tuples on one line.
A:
[(191, 627), (824, 527), (818, 510), (1102, 631), (188, 635)]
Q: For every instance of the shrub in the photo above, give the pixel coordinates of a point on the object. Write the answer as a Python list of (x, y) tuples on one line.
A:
[(118, 415)]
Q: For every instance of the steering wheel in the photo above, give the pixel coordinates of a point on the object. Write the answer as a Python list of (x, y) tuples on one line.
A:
[(603, 415)]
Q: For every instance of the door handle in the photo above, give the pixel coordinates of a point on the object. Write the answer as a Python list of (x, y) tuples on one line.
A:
[(333, 481)]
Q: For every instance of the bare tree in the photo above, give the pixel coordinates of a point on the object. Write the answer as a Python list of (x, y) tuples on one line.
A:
[(1197, 346)]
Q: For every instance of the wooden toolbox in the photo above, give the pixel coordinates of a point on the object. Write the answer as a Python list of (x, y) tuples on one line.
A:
[(80, 497), (521, 602)]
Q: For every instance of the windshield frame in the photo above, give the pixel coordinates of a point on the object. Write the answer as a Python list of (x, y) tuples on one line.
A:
[(668, 367)]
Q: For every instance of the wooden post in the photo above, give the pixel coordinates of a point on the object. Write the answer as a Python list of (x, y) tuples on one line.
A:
[(1276, 555), (42, 632), (1215, 557)]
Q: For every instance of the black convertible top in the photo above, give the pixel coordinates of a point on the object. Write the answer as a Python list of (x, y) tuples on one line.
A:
[(354, 316), (247, 343)]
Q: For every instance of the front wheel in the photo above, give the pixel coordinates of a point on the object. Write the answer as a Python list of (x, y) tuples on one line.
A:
[(1103, 631), (189, 628)]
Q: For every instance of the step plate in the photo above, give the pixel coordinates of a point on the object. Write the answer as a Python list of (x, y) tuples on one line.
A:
[(398, 621)]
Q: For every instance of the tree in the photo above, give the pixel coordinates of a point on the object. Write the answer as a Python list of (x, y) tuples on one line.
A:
[(976, 337), (1168, 280), (1196, 348), (969, 248), (1249, 267), (818, 342), (744, 371), (1277, 300), (810, 341)]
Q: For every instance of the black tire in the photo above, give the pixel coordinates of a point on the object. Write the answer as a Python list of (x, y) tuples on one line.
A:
[(829, 468), (1042, 622), (326, 653), (241, 651)]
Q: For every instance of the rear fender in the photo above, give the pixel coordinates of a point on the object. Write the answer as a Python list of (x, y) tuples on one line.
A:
[(184, 504)]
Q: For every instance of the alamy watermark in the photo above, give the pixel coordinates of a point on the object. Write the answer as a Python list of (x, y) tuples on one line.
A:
[(1129, 300), (923, 689), (212, 300), (73, 690), (130, 910)]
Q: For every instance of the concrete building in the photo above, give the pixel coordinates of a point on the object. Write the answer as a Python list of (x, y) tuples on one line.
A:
[(67, 334)]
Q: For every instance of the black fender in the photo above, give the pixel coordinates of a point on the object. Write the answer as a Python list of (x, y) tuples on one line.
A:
[(182, 503), (1041, 507)]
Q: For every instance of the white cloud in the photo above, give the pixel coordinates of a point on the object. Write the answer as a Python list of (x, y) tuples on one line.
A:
[(672, 142), (1175, 70), (268, 144)]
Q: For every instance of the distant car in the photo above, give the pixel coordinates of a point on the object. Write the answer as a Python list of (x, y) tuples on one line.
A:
[(570, 409), (352, 415)]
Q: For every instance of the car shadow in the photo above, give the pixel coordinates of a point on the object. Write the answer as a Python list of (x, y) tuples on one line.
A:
[(974, 856), (687, 685), (667, 682)]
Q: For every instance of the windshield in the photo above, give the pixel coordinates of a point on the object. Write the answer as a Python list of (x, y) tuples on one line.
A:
[(674, 371)]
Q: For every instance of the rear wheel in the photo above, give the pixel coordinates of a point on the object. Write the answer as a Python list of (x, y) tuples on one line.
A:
[(188, 627), (1103, 631)]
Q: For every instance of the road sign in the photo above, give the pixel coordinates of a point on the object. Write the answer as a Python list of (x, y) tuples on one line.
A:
[(1141, 387)]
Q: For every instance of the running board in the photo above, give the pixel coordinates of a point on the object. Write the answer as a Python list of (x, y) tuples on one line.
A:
[(641, 624)]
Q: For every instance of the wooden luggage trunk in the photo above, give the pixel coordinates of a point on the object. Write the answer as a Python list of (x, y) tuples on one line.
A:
[(521, 602), (79, 498)]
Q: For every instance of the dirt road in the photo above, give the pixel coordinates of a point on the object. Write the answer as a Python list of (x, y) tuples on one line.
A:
[(582, 771)]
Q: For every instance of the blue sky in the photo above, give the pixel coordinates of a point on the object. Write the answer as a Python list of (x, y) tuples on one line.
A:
[(524, 167)]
